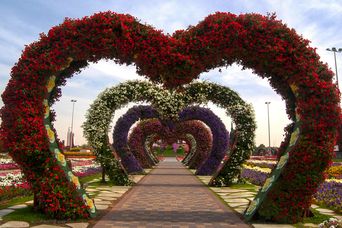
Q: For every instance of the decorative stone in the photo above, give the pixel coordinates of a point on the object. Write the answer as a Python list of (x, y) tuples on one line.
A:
[(272, 225), (106, 197), (4, 212), (242, 194), (233, 197), (236, 200), (137, 178), (240, 209), (103, 203), (78, 225), (102, 188), (229, 190), (325, 211), (18, 206), (47, 226), (112, 195), (15, 224), (238, 204), (101, 207), (314, 206)]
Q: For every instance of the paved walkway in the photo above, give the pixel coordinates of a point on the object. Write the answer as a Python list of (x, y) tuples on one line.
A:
[(170, 196)]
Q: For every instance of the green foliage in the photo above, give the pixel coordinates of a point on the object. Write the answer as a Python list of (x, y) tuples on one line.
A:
[(168, 152), (15, 201), (27, 214)]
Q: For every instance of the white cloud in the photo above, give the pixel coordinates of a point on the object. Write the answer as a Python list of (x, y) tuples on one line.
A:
[(114, 71)]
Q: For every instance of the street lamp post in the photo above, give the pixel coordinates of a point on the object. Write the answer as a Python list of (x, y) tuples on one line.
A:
[(333, 49), (268, 118), (339, 50), (72, 123)]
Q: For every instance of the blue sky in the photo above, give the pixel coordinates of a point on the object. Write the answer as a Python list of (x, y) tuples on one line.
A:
[(23, 20)]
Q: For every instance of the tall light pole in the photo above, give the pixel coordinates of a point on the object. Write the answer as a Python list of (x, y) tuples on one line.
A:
[(72, 123), (333, 49), (268, 118)]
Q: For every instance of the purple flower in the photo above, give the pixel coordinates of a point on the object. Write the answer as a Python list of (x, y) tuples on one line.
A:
[(219, 134), (120, 133)]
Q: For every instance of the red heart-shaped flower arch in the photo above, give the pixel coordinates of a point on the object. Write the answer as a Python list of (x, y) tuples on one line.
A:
[(254, 41)]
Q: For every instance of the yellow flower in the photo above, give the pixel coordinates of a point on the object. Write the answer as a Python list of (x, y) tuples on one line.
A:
[(267, 184), (47, 109), (50, 134), (257, 168), (51, 83), (294, 89), (282, 161), (69, 60), (294, 137), (90, 203), (76, 182), (60, 157), (252, 206)]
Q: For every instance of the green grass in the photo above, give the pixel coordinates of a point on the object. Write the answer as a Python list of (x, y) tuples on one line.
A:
[(247, 186), (337, 159), (316, 219), (26, 214), (168, 152), (90, 177), (15, 201)]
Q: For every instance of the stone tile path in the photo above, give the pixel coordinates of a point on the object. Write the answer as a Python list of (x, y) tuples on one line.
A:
[(238, 199), (170, 196)]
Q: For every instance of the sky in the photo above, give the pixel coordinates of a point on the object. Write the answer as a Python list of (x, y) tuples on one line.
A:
[(23, 20)]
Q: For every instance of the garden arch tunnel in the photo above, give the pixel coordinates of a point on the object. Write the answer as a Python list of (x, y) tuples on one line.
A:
[(218, 130), (258, 42)]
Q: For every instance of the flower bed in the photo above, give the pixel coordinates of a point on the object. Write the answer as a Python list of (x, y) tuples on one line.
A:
[(9, 192), (7, 163), (11, 178), (329, 193), (8, 166), (80, 167)]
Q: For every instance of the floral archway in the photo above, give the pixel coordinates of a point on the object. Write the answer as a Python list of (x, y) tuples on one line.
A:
[(261, 43), (136, 113), (144, 129)]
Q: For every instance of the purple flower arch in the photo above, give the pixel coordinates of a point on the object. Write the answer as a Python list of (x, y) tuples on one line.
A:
[(218, 130), (120, 133), (219, 134), (197, 129)]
